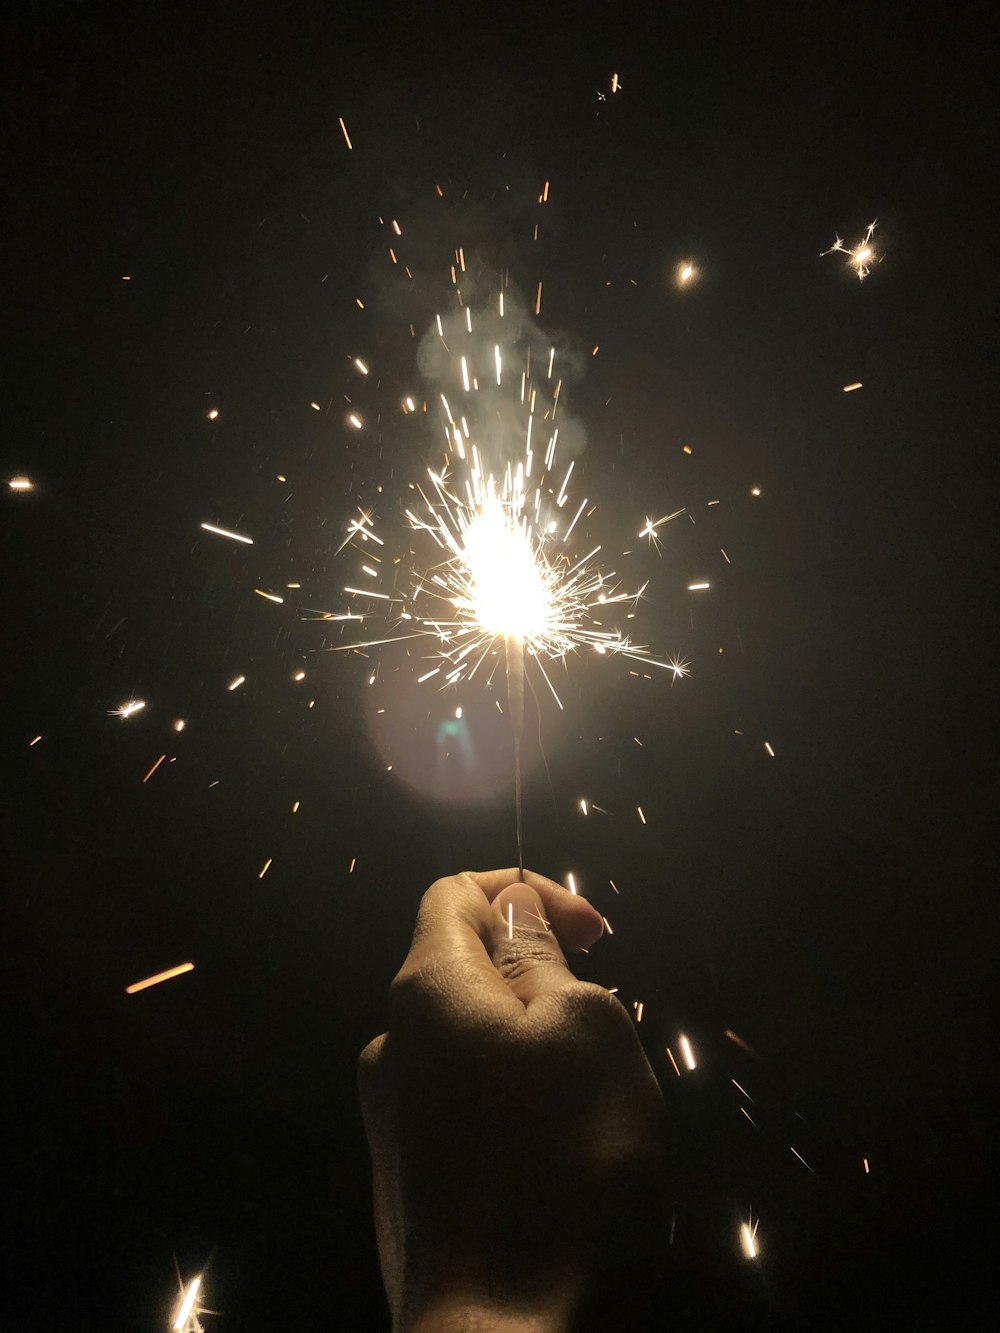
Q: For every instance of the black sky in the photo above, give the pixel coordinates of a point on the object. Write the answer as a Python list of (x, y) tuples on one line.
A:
[(833, 906)]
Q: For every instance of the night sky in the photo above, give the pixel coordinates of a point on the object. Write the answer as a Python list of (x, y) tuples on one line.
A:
[(830, 905)]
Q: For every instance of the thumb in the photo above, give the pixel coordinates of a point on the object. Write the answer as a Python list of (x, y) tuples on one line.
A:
[(524, 948)]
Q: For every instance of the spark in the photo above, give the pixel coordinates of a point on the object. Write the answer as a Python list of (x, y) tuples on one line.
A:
[(154, 768), (224, 532), (686, 273), (35, 741), (698, 587), (583, 806), (673, 1062), (755, 490), (861, 257), (748, 1238), (639, 1007), (269, 596), (235, 683), (212, 414), (571, 884), (265, 867), (686, 1051), (641, 815), (850, 388), (361, 365), (160, 976), (743, 1090), (864, 1162), (355, 421), (21, 484), (802, 1160), (180, 724), (651, 525), (128, 709), (607, 925), (299, 675), (767, 747), (347, 137), (187, 1305)]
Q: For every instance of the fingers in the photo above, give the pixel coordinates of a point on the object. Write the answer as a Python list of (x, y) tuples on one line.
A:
[(577, 925), (485, 944)]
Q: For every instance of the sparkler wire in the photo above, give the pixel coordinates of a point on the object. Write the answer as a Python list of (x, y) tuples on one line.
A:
[(515, 705)]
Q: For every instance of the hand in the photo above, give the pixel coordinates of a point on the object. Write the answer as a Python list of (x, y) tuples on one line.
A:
[(512, 1117)]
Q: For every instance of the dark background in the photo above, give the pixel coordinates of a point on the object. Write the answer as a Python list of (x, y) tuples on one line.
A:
[(830, 905)]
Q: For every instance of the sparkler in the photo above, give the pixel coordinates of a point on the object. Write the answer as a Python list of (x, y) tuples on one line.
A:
[(503, 576), (861, 257)]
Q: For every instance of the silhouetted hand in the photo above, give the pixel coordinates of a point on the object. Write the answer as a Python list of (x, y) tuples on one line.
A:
[(512, 1116)]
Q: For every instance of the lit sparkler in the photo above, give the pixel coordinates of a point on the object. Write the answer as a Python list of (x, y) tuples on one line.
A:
[(861, 257), (502, 577)]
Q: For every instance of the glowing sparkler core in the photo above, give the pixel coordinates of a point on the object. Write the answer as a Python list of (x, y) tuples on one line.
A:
[(510, 590)]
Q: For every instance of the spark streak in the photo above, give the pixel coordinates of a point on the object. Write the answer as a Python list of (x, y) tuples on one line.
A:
[(160, 976), (686, 1051), (224, 532), (187, 1305)]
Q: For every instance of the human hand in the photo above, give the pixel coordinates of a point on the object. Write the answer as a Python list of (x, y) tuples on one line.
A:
[(512, 1117)]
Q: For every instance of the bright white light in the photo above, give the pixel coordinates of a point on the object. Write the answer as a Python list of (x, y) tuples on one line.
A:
[(187, 1305), (224, 532), (127, 709), (687, 1052), (508, 590)]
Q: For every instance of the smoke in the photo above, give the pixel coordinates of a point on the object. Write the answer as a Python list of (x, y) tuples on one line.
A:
[(533, 362)]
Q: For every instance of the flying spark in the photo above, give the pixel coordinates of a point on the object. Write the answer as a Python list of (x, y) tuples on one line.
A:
[(861, 257), (128, 709), (748, 1238), (224, 532), (21, 484), (160, 976)]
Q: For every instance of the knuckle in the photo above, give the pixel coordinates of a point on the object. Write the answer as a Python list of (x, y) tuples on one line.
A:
[(368, 1060), (410, 988), (591, 1008)]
